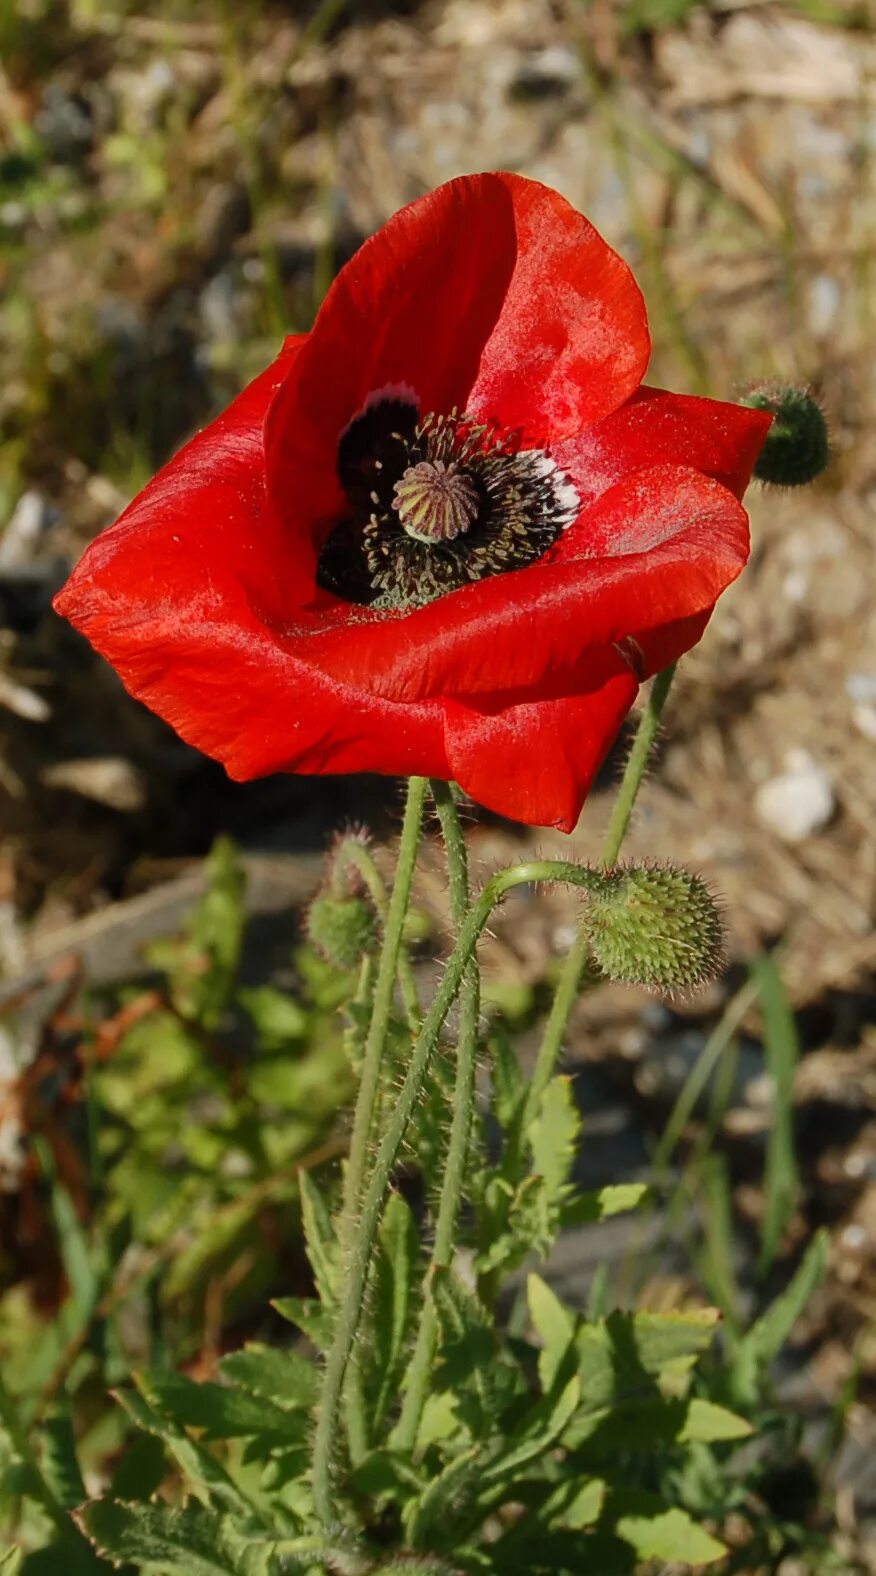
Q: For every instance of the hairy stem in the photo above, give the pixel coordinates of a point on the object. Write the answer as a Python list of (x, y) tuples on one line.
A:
[(363, 1242), (417, 1380), (631, 782), (573, 971), (384, 989)]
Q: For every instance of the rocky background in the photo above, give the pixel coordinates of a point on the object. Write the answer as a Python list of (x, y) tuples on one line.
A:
[(178, 183)]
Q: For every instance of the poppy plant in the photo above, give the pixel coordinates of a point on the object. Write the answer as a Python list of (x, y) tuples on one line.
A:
[(446, 533)]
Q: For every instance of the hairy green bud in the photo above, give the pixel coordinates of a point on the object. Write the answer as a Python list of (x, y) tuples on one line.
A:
[(341, 928), (655, 925), (796, 448)]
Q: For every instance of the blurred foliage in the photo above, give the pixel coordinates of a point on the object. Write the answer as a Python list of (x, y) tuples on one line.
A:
[(159, 1183), (635, 1437)]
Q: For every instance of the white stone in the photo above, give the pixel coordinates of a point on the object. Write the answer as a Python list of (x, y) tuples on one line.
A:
[(798, 802)]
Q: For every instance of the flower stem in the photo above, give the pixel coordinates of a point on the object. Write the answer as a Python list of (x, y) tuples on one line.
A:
[(417, 1381), (384, 989), (631, 782), (362, 1245), (569, 983)]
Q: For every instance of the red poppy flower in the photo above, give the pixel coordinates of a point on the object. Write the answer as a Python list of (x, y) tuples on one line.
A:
[(446, 532)]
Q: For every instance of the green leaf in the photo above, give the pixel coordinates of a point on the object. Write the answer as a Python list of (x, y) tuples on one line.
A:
[(716, 1259), (652, 1424), (542, 1428), (397, 1275), (586, 1208), (623, 1356), (782, 1050), (527, 1218), (72, 1556), (307, 1315), (220, 1411), (467, 1346), (708, 1424), (452, 1487), (205, 1475), (204, 970), (574, 1504), (76, 1252), (509, 1085), (59, 1462), (669, 1535), (283, 1377), (319, 1240), (162, 1541), (763, 1342), (553, 1135), (554, 1325), (279, 1020)]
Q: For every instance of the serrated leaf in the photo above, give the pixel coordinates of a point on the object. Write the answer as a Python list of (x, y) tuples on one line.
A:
[(542, 1428), (203, 1473), (283, 1377), (669, 1535), (554, 1325), (163, 1541), (414, 1565), (467, 1346), (59, 1461), (525, 1219), (652, 1424), (509, 1085), (624, 1355), (453, 1484), (220, 1411), (553, 1135), (319, 1240), (397, 1275)]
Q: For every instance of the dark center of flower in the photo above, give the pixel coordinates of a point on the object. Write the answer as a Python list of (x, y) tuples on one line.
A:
[(436, 503)]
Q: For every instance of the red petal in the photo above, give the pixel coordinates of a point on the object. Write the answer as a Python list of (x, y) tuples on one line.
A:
[(534, 761), (490, 293), (572, 341), (659, 547), (659, 428), (176, 595)]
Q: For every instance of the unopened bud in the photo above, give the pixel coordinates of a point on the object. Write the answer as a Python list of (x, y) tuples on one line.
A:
[(655, 925), (796, 448), (341, 928)]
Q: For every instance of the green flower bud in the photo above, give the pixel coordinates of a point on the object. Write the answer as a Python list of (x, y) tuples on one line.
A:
[(796, 448), (655, 925), (341, 928)]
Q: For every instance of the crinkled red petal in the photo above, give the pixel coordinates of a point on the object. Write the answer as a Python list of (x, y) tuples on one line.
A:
[(657, 548), (534, 760), (491, 294), (184, 596), (655, 427)]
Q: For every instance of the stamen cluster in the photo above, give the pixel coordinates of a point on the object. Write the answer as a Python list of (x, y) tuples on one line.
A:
[(437, 503)]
